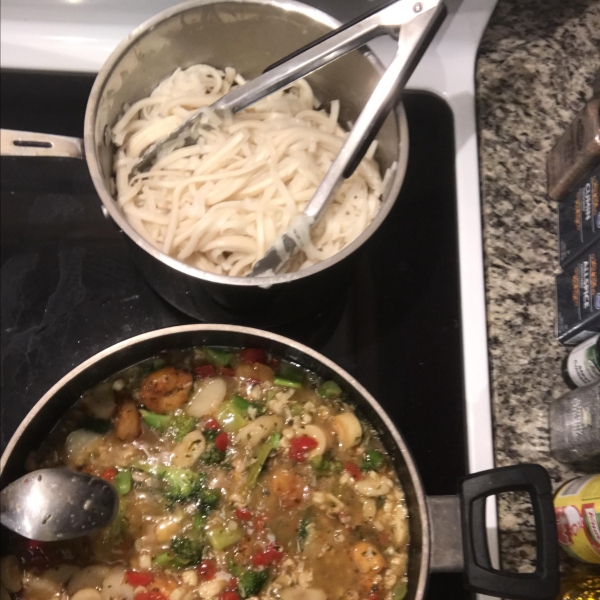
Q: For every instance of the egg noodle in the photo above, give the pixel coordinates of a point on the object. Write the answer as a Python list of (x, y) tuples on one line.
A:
[(220, 203)]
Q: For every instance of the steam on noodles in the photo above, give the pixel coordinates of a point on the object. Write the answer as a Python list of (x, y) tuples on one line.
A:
[(220, 203)]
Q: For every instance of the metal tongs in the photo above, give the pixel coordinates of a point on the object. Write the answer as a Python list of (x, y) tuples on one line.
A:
[(418, 21)]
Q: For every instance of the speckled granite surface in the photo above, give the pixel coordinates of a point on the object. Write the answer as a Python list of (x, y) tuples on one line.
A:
[(535, 71)]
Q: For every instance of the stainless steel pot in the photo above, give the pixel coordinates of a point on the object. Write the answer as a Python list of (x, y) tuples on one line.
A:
[(447, 533), (249, 34)]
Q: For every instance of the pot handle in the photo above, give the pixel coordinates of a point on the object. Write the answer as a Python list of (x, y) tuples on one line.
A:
[(26, 143), (480, 576)]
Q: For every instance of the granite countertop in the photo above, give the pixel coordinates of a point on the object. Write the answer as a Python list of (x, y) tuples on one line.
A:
[(535, 71)]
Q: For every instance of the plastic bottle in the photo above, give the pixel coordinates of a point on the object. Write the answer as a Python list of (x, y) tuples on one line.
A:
[(582, 366)]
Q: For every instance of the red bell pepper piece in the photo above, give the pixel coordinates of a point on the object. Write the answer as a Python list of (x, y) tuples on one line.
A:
[(109, 474), (231, 585), (266, 557), (353, 469), (222, 441), (243, 514), (35, 553), (300, 446), (226, 372), (136, 578), (212, 424), (207, 569), (204, 371), (252, 355)]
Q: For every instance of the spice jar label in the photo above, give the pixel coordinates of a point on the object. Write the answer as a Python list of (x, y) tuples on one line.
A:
[(577, 509)]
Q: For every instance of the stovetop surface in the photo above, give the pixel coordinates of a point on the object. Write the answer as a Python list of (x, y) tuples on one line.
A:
[(70, 289)]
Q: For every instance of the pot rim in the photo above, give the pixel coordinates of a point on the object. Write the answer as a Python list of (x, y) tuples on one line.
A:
[(317, 356), (109, 203)]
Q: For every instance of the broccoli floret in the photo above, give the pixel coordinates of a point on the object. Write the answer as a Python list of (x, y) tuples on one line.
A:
[(373, 461), (251, 582), (210, 434), (209, 500), (187, 550), (168, 560), (175, 426), (183, 485), (180, 426), (156, 421), (212, 456)]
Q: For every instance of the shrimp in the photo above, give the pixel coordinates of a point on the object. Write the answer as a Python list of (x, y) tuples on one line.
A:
[(128, 422), (288, 487), (165, 390), (367, 558)]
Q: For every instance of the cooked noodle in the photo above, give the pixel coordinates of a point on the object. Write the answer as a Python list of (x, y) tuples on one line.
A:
[(220, 203)]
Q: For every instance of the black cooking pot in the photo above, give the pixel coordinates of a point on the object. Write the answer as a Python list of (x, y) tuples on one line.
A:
[(447, 533)]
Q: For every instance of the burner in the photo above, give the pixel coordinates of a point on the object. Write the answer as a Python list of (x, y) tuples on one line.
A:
[(70, 288)]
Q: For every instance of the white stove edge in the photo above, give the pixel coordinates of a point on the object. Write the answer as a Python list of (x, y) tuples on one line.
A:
[(447, 69)]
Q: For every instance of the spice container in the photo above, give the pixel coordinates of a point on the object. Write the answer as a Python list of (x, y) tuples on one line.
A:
[(576, 152), (578, 300), (574, 425), (582, 366), (577, 510), (579, 219)]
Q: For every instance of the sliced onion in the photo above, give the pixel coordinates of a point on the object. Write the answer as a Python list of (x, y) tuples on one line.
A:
[(100, 401), (258, 430), (189, 450), (88, 577), (79, 443), (206, 399), (114, 587)]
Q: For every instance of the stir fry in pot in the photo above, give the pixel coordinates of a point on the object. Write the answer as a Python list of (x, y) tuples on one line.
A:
[(240, 476)]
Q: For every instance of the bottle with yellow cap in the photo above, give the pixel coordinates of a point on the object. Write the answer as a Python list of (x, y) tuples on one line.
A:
[(577, 509)]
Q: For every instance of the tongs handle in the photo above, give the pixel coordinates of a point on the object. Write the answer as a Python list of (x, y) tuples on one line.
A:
[(414, 39), (304, 61), (360, 21), (415, 35), (321, 52)]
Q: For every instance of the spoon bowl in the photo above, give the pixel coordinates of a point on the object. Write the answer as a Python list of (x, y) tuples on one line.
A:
[(49, 505)]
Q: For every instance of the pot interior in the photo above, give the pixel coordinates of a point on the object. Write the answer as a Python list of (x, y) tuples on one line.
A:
[(46, 413), (248, 36)]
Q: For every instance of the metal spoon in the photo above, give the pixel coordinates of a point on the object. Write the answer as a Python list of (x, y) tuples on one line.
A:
[(57, 504)]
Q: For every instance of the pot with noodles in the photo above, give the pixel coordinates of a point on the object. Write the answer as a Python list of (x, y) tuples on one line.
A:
[(199, 219), (221, 202)]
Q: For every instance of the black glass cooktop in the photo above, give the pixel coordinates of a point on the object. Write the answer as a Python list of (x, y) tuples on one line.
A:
[(70, 288)]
